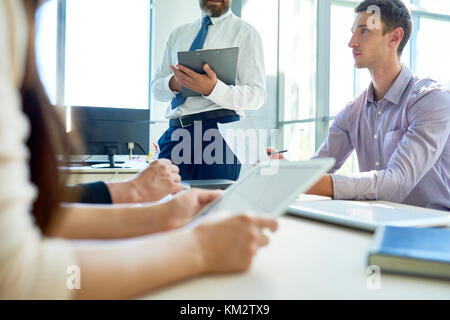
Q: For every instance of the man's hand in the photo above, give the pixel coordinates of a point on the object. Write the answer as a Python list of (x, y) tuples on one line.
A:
[(174, 85), (324, 187), (160, 179), (201, 83), (274, 154)]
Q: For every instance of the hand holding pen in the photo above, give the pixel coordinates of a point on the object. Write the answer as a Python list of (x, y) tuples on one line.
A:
[(275, 154)]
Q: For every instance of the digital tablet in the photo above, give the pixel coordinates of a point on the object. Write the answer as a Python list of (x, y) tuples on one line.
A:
[(270, 187)]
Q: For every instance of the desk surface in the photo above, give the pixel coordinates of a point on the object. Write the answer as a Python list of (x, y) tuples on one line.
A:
[(307, 259)]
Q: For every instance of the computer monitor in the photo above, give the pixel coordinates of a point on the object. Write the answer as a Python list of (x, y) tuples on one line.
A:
[(111, 131)]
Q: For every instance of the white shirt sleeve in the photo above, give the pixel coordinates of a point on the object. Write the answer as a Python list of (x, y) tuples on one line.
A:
[(160, 83), (31, 267), (249, 93)]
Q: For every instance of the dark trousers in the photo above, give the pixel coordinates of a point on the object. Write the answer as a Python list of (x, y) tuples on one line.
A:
[(202, 171)]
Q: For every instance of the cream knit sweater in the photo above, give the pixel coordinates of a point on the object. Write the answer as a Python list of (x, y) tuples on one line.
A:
[(31, 266)]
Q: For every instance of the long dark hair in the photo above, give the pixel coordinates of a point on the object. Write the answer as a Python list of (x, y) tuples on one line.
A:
[(48, 136)]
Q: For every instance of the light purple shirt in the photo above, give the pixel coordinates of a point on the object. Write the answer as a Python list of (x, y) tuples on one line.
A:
[(402, 143)]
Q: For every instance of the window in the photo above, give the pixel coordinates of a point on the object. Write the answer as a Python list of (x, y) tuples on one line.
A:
[(297, 76), (299, 139), (107, 53), (46, 35), (437, 6), (95, 52), (342, 71), (433, 50)]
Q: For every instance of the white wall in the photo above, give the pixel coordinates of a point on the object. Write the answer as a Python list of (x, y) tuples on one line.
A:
[(168, 15)]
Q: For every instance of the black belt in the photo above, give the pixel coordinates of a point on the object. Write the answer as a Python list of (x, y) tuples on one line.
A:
[(187, 121)]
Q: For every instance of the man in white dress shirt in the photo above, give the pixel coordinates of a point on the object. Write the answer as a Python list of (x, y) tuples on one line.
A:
[(218, 103)]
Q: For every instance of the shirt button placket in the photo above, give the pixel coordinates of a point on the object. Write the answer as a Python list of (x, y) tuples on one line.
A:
[(379, 112)]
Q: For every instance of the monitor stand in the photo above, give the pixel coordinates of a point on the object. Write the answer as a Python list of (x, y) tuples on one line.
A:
[(111, 164)]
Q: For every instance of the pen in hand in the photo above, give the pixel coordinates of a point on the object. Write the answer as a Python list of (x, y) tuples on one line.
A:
[(276, 152)]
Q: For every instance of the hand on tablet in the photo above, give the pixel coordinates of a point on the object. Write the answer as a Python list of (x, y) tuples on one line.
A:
[(185, 205), (242, 233)]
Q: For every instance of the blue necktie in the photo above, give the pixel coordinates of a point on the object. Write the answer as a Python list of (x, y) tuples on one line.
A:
[(198, 43)]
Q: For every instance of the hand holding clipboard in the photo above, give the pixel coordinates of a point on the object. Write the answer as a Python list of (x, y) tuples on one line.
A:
[(200, 83), (221, 62)]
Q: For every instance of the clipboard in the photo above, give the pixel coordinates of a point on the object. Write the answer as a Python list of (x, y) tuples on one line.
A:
[(222, 61)]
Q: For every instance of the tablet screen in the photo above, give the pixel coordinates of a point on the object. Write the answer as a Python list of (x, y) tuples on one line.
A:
[(260, 191)]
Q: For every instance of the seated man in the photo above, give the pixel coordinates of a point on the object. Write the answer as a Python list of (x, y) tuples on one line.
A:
[(399, 126)]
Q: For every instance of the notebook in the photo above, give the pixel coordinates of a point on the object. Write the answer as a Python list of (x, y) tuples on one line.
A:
[(421, 252)]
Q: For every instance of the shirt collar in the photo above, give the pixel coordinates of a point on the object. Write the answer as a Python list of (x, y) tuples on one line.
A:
[(217, 20), (371, 93), (397, 89)]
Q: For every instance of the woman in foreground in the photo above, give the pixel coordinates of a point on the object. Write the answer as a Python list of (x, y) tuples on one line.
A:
[(35, 265)]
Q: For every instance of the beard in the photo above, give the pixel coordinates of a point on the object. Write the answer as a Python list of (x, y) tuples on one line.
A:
[(213, 10)]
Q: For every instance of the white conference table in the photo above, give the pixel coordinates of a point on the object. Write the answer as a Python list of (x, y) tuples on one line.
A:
[(308, 259)]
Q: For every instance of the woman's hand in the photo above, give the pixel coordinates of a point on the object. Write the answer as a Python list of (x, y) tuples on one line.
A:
[(160, 179), (185, 205), (229, 245), (80, 221)]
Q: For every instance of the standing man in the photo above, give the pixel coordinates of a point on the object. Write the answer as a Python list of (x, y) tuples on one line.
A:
[(399, 126), (219, 103)]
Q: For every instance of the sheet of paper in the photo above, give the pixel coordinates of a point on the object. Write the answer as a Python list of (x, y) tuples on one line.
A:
[(247, 143)]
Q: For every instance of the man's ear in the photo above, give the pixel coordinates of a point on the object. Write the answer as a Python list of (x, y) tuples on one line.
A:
[(396, 37)]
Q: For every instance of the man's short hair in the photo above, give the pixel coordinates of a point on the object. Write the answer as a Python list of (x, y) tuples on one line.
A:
[(394, 14)]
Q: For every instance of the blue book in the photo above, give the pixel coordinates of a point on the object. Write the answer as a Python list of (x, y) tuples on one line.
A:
[(421, 252)]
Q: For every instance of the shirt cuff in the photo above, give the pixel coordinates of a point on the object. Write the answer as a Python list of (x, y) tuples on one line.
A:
[(218, 93), (167, 86), (93, 193), (344, 187), (358, 186)]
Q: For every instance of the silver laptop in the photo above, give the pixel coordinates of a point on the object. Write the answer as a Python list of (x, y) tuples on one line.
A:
[(367, 216)]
